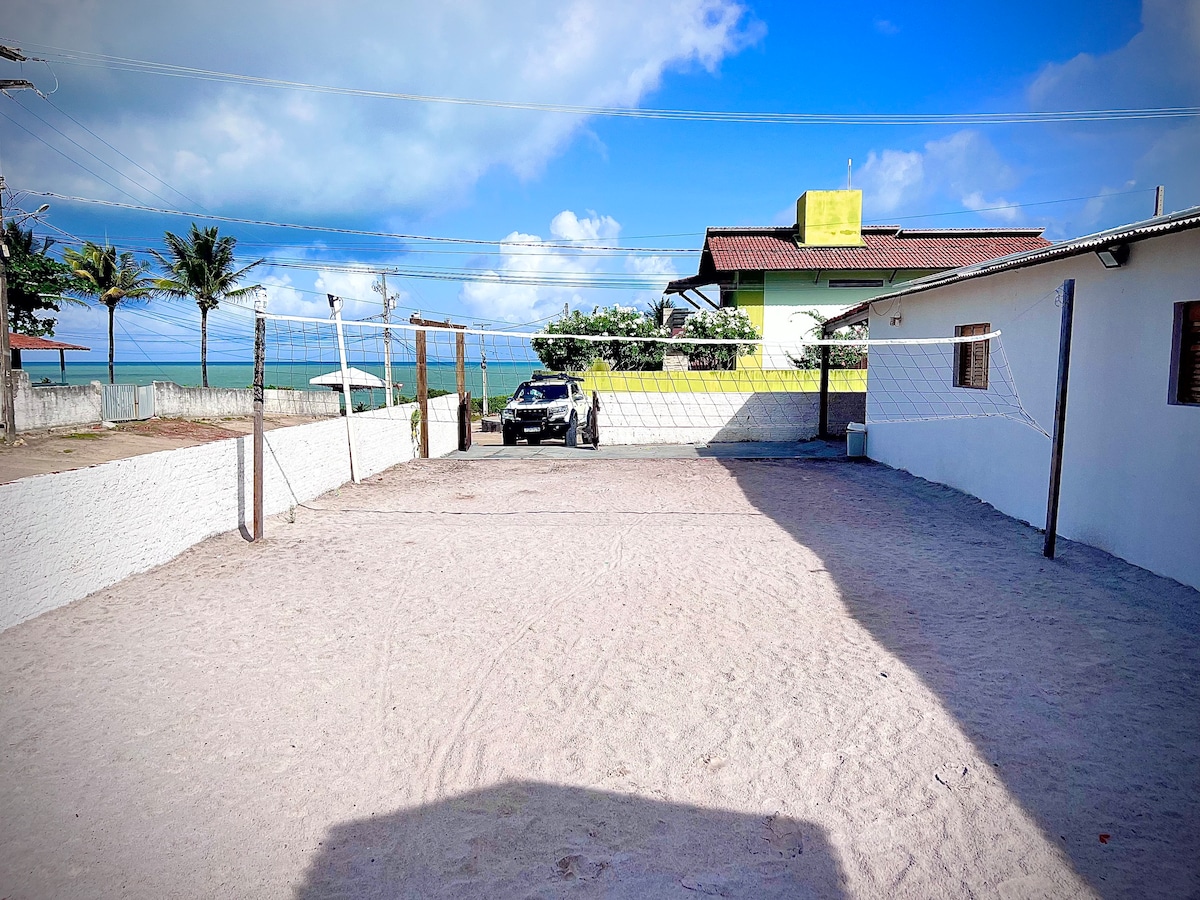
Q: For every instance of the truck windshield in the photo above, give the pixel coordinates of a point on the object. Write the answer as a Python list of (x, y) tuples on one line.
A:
[(534, 393)]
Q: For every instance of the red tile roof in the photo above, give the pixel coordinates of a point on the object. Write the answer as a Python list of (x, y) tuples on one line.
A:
[(727, 250), (25, 342)]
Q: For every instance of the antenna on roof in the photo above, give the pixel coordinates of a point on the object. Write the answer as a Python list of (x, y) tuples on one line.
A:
[(849, 169)]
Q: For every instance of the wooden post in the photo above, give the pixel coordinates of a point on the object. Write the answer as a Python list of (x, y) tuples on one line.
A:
[(1060, 417), (823, 408), (423, 393), (260, 351), (595, 420), (62, 365), (464, 422)]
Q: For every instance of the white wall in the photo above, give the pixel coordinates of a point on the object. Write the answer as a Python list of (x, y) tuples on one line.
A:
[(174, 401), (1131, 461), (56, 406), (700, 418), (66, 535)]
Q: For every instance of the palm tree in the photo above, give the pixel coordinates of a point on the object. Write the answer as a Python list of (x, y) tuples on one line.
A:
[(201, 266), (110, 278)]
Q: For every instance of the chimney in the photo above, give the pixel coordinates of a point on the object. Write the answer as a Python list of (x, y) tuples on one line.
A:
[(829, 219)]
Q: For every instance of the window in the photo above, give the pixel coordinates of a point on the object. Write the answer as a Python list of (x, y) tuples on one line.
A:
[(1185, 355), (971, 359), (855, 282)]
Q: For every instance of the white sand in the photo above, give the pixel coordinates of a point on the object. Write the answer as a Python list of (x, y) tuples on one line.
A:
[(630, 679)]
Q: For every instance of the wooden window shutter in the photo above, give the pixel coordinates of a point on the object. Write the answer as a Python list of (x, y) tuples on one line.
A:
[(1187, 354), (971, 359)]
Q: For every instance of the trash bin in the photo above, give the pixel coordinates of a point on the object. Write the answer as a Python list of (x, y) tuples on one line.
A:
[(856, 439)]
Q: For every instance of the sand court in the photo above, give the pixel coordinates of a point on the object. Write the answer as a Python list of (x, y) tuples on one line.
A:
[(617, 678)]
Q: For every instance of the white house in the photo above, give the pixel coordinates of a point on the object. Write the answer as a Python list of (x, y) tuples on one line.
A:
[(1131, 441)]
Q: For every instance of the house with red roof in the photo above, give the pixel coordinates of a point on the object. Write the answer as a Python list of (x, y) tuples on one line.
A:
[(828, 262)]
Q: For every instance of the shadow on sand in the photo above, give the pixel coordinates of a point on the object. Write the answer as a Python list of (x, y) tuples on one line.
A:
[(1076, 678), (527, 839)]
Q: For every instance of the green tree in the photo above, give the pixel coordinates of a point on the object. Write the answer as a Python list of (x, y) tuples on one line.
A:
[(201, 266), (567, 355), (37, 282), (660, 308), (726, 323), (850, 356), (111, 278)]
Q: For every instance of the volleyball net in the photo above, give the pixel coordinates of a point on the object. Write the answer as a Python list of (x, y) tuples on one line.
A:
[(649, 389)]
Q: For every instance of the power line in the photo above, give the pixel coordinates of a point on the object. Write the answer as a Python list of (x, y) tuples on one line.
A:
[(334, 230), (99, 60), (103, 162)]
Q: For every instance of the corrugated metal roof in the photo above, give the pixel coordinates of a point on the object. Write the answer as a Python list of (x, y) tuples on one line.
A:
[(1124, 234)]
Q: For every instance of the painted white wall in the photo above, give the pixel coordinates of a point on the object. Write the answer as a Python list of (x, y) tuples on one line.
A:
[(787, 296), (1131, 461), (719, 417), (56, 406), (67, 535)]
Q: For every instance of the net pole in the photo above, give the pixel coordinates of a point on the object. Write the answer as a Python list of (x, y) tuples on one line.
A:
[(260, 349), (1060, 417), (336, 303), (423, 392), (387, 342), (823, 408)]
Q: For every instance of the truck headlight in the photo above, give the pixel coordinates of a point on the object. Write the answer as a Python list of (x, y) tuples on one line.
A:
[(507, 415), (559, 410)]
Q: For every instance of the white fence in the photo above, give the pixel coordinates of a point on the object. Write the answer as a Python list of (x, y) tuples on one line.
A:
[(67, 535)]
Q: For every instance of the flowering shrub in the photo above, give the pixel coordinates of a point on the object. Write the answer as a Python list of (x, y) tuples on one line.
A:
[(565, 355), (728, 323), (851, 356)]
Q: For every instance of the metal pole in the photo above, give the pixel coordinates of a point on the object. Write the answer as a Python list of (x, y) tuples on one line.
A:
[(6, 375), (336, 303), (387, 341), (1060, 417), (823, 409), (1158, 200), (260, 352)]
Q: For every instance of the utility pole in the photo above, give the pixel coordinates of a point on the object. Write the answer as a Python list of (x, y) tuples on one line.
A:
[(1158, 200), (483, 365), (6, 375), (388, 305)]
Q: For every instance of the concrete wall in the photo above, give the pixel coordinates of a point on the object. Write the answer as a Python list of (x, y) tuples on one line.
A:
[(643, 418), (301, 403), (172, 401), (66, 535), (58, 406), (1131, 482), (65, 406)]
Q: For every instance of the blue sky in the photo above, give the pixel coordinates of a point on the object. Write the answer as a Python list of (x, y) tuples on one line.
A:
[(296, 156)]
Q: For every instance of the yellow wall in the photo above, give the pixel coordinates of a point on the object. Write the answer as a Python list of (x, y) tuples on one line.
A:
[(739, 381), (829, 219), (751, 303)]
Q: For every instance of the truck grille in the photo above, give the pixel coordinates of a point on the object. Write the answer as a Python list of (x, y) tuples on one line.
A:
[(531, 415)]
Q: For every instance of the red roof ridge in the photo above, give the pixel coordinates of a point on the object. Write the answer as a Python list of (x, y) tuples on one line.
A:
[(28, 342)]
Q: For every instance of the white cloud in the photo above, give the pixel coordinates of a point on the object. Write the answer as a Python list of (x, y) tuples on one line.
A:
[(528, 257), (963, 169), (224, 144), (1158, 67)]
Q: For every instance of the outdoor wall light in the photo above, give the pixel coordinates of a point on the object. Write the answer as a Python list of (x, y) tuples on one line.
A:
[(1115, 256)]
